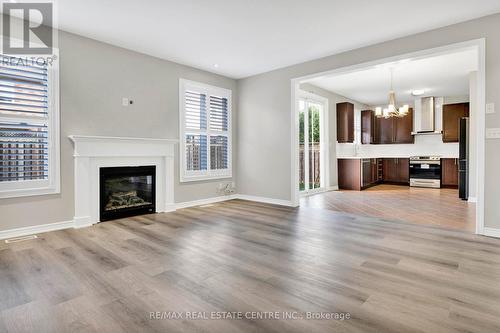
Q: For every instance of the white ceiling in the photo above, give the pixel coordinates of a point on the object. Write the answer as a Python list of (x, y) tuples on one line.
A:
[(443, 75), (246, 37)]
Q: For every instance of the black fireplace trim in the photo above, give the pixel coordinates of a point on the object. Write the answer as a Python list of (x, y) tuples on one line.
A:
[(125, 171)]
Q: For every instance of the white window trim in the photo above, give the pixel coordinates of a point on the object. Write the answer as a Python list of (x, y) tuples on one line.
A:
[(15, 189), (190, 176)]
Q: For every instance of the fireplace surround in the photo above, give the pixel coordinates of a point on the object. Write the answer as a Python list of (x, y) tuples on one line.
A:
[(91, 153)]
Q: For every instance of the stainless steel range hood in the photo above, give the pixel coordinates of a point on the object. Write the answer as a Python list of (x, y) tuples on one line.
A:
[(424, 116)]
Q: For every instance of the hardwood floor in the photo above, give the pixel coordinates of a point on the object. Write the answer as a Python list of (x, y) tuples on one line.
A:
[(440, 207), (244, 256)]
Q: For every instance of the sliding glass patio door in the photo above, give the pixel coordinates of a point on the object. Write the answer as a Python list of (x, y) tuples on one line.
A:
[(311, 145)]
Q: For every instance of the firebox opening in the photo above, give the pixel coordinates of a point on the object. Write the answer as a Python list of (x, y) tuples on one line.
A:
[(127, 191)]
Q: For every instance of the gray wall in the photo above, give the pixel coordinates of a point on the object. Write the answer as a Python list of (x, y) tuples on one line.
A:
[(264, 161), (333, 99), (93, 79)]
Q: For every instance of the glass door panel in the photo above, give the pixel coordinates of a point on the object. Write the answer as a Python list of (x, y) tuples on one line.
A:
[(310, 145), (314, 111), (302, 138)]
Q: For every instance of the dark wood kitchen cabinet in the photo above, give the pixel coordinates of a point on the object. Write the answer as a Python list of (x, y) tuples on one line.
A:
[(345, 122), (368, 121), (358, 174), (449, 172), (396, 170), (390, 170), (370, 172), (451, 120), (349, 174), (394, 130), (384, 131), (403, 128), (404, 170)]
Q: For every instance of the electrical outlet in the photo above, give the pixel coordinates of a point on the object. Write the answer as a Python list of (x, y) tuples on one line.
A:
[(490, 108), (493, 133), (125, 101), (226, 188)]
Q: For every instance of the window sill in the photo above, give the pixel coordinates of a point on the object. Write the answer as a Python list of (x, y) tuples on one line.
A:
[(188, 179), (29, 192)]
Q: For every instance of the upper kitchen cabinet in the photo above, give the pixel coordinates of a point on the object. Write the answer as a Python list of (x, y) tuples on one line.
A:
[(394, 130), (451, 120), (368, 127), (403, 128), (384, 131), (345, 122)]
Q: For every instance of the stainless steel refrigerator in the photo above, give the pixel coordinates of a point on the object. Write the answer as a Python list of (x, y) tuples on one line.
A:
[(463, 160)]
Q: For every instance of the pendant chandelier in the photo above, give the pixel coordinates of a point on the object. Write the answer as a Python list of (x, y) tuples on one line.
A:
[(392, 110)]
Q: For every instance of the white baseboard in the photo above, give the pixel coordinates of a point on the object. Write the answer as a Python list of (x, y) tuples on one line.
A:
[(232, 197), (491, 232), (37, 229), (271, 201), (169, 208), (472, 199), (82, 222), (207, 201)]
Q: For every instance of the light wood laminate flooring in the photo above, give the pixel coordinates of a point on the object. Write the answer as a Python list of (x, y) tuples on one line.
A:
[(440, 207), (242, 256)]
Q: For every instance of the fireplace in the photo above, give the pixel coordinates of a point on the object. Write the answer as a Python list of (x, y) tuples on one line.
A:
[(127, 191)]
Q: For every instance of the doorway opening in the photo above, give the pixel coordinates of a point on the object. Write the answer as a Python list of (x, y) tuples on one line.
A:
[(388, 145)]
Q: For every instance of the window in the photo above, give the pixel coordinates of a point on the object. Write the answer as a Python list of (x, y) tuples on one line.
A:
[(29, 127), (205, 131)]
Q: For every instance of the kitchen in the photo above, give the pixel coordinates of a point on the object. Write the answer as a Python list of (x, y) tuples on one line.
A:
[(426, 163), (401, 140)]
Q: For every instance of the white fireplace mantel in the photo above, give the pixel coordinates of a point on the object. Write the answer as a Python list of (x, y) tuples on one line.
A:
[(94, 152)]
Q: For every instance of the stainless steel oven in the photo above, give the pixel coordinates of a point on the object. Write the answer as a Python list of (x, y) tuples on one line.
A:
[(425, 171)]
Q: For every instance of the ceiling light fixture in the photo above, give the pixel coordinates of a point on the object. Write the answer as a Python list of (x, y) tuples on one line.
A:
[(417, 92), (216, 65), (392, 110)]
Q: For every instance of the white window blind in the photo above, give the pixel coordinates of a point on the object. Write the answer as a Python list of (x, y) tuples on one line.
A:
[(27, 142), (205, 123)]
